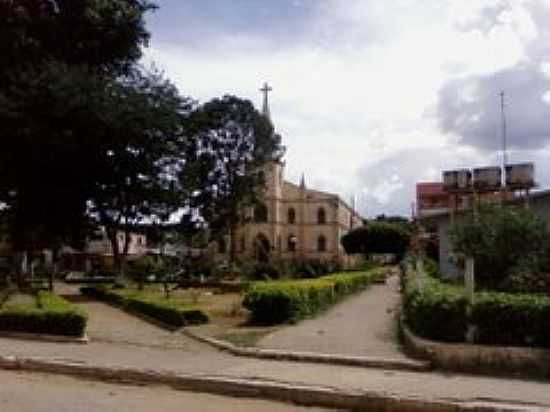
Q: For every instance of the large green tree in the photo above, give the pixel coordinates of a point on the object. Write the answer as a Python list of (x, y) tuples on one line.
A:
[(377, 237), (59, 59), (229, 143), (138, 176)]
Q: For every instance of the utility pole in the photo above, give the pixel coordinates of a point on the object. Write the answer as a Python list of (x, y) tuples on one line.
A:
[(504, 155)]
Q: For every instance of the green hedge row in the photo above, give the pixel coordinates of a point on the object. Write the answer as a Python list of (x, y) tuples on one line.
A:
[(50, 314), (167, 311), (438, 312), (273, 302)]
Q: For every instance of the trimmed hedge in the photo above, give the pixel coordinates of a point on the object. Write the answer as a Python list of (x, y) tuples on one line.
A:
[(49, 314), (167, 311), (439, 312), (275, 302), (512, 319), (436, 312)]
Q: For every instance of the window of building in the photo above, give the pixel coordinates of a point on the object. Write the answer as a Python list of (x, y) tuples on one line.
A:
[(260, 213), (291, 245), (291, 216), (321, 216), (321, 244), (243, 244)]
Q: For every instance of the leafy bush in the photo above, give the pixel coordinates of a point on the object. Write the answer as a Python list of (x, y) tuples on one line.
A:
[(167, 311), (431, 268), (523, 280), (312, 268), (264, 271), (512, 319), (290, 300), (47, 314), (438, 312), (503, 241), (377, 238)]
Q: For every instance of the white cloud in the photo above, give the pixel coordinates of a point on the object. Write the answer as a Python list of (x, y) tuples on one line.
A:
[(359, 89)]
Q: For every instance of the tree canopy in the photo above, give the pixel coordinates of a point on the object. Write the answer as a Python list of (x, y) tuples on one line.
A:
[(230, 142), (377, 237), (503, 240)]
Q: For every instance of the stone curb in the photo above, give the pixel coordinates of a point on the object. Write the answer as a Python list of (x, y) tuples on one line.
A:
[(45, 337), (334, 359), (480, 359), (297, 393)]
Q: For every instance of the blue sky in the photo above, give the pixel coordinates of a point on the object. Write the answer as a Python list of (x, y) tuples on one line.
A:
[(372, 96)]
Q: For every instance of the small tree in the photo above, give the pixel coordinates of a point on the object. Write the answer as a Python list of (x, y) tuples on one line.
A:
[(377, 238), (500, 239), (230, 142)]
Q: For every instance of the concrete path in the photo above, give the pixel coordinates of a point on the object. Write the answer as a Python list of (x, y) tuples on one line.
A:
[(25, 392), (363, 325), (433, 386)]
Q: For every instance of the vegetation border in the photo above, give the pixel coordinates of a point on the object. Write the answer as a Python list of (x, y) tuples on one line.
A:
[(92, 292)]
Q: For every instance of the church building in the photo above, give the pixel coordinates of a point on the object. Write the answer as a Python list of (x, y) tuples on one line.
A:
[(293, 221)]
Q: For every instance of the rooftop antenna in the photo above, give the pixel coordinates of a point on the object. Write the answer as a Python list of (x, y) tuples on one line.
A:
[(503, 119)]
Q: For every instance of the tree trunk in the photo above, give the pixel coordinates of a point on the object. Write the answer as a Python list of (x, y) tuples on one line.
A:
[(232, 244), (21, 267), (119, 271)]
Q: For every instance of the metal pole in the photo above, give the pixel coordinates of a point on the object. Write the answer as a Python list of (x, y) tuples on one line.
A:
[(504, 155)]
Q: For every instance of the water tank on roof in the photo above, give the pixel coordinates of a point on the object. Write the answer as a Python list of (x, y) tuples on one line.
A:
[(454, 180), (450, 180), (521, 175), (464, 179), (487, 178)]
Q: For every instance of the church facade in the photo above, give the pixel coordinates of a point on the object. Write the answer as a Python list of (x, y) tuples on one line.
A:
[(293, 222)]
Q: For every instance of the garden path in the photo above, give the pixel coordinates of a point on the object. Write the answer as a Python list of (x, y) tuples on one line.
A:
[(364, 324), (111, 325)]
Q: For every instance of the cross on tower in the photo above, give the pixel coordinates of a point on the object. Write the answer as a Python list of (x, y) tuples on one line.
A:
[(265, 90)]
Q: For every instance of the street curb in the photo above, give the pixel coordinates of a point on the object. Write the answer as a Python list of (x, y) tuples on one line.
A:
[(298, 393), (44, 337), (480, 359), (334, 359)]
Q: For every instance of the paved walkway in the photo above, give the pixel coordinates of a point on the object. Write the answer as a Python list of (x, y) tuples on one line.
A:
[(179, 354), (364, 324), (26, 392)]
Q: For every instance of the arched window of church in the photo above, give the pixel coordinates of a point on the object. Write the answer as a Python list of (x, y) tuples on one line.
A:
[(260, 213), (291, 216), (321, 216), (322, 244), (222, 247), (291, 245)]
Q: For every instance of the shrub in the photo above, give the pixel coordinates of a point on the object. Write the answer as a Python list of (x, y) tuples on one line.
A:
[(167, 311), (48, 314), (313, 268), (499, 240), (290, 300), (377, 238), (512, 319), (438, 312), (264, 271)]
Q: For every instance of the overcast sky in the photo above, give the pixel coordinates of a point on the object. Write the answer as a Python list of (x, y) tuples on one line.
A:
[(372, 96)]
